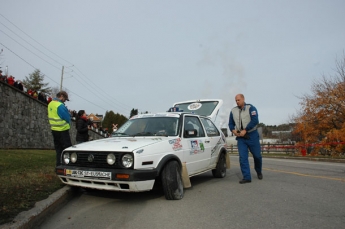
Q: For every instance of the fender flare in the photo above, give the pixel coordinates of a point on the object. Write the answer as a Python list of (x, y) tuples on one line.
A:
[(164, 160)]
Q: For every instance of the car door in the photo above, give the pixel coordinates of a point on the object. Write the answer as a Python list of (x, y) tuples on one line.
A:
[(214, 138), (197, 148)]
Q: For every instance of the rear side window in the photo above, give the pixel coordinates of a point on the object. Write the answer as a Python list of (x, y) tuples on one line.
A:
[(211, 129)]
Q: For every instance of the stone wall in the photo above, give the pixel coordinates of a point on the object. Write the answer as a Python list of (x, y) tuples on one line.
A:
[(24, 122)]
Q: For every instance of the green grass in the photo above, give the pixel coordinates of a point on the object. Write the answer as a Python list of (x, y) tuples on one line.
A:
[(26, 176)]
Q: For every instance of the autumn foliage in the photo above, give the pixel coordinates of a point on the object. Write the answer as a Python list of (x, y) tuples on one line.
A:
[(321, 119)]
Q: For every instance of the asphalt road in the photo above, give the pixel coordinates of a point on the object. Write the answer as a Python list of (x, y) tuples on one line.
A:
[(293, 194)]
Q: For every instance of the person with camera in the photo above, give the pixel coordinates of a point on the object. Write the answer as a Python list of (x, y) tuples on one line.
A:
[(83, 127), (243, 122)]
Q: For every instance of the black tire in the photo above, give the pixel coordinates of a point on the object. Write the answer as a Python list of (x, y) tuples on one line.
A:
[(220, 170), (172, 181)]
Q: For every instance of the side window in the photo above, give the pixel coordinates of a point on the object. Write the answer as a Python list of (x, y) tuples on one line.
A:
[(211, 129), (193, 123)]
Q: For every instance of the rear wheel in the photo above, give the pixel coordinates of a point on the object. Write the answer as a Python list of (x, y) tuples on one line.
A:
[(220, 170), (172, 181)]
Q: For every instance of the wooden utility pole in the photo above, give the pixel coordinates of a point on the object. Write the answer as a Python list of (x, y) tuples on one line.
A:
[(61, 78)]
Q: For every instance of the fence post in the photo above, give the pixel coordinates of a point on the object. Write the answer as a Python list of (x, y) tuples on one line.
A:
[(268, 147)]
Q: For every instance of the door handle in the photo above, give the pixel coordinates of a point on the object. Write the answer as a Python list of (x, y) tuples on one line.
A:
[(207, 141)]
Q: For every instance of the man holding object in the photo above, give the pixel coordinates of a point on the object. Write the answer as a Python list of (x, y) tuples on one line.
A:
[(59, 120), (243, 122)]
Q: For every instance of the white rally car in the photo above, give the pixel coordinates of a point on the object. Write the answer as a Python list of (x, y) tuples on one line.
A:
[(169, 147)]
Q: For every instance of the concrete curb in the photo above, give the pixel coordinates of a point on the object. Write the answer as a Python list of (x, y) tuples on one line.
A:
[(42, 209)]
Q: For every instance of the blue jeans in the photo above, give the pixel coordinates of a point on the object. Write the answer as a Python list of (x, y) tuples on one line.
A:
[(253, 145)]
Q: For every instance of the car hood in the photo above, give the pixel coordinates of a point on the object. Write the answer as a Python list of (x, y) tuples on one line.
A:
[(124, 144)]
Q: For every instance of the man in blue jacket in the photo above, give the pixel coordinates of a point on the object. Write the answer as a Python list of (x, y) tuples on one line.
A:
[(59, 120), (243, 123)]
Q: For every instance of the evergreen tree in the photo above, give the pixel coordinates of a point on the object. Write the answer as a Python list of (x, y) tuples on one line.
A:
[(111, 118), (35, 82)]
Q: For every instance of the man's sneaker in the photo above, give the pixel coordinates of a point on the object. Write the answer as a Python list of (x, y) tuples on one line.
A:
[(260, 176)]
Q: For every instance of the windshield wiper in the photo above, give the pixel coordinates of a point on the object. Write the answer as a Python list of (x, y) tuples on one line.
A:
[(143, 134), (119, 134)]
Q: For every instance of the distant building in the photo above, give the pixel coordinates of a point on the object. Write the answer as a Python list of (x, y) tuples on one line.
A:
[(281, 132), (95, 118)]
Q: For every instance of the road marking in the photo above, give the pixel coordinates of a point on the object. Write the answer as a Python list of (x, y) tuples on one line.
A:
[(296, 161), (304, 175), (298, 174)]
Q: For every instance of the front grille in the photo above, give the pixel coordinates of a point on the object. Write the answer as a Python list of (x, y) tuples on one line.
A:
[(99, 159)]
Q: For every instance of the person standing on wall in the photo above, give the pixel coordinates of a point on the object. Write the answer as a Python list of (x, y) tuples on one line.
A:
[(82, 127), (243, 122), (59, 120)]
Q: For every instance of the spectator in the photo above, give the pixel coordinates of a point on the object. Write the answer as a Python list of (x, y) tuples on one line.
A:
[(10, 80), (3, 77), (82, 127), (74, 115), (90, 123), (35, 94), (49, 99), (18, 84), (42, 97), (30, 92)]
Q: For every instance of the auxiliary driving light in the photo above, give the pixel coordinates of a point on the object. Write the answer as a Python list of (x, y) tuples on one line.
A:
[(74, 157), (111, 159)]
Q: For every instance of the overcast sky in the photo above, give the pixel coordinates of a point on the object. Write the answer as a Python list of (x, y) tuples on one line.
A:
[(148, 54)]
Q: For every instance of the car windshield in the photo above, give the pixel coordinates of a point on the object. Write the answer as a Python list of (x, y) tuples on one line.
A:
[(146, 125), (204, 108)]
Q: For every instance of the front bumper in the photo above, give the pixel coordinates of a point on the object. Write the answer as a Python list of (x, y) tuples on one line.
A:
[(135, 181)]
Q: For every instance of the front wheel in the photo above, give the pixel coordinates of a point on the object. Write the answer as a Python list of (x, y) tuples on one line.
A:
[(172, 181), (220, 170)]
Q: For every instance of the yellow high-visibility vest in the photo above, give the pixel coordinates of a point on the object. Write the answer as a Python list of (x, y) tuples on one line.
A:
[(56, 123)]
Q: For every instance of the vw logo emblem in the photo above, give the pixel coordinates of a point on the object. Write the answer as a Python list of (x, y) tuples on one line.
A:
[(90, 158)]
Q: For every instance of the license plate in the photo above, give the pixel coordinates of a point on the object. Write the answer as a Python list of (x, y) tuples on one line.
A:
[(88, 174)]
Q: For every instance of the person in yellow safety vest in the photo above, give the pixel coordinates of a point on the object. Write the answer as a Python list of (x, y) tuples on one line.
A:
[(59, 120)]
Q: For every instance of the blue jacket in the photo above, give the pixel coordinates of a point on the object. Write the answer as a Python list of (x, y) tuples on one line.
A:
[(63, 112)]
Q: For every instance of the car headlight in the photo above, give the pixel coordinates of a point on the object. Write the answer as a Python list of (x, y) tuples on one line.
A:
[(127, 160), (111, 159), (74, 157), (66, 158)]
